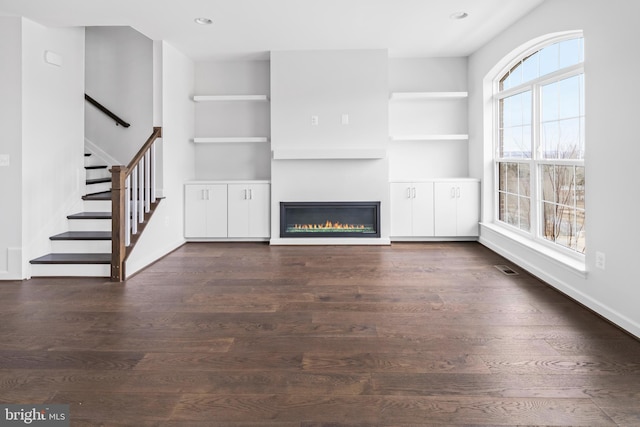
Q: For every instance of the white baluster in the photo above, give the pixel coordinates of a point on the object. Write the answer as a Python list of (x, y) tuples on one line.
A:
[(153, 172), (134, 200), (147, 181), (141, 193), (127, 212)]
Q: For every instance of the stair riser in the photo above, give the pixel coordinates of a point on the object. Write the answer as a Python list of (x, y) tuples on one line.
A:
[(97, 205), (98, 188), (81, 246), (64, 270), (97, 173), (89, 225)]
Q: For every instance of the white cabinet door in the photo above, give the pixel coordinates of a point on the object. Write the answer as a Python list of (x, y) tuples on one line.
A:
[(401, 209), (205, 210), (238, 198), (423, 209), (457, 207), (259, 209), (195, 210), (468, 212), (249, 206), (445, 209), (411, 209)]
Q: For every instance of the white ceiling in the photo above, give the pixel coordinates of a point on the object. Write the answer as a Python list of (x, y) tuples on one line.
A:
[(251, 28)]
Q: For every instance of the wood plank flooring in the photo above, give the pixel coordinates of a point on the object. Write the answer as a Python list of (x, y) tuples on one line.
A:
[(223, 334)]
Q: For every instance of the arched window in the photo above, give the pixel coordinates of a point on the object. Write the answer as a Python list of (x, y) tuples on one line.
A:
[(540, 144)]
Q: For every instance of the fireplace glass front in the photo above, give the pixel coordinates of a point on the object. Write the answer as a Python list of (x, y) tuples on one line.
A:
[(330, 219)]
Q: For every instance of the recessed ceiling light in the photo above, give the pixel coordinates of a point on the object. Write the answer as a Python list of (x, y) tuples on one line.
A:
[(458, 15), (203, 21)]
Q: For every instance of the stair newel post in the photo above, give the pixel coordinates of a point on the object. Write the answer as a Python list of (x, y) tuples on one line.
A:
[(118, 202)]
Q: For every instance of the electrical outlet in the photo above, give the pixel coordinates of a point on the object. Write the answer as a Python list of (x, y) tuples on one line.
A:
[(315, 120), (600, 260), (344, 119), (5, 160)]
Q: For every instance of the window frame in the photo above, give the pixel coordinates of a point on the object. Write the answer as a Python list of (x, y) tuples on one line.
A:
[(536, 161)]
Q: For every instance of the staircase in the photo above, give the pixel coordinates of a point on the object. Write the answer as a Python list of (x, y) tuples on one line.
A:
[(84, 250)]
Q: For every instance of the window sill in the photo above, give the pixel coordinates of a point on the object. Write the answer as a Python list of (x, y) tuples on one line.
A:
[(569, 263)]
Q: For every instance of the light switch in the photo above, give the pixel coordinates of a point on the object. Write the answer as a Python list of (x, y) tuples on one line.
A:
[(5, 160)]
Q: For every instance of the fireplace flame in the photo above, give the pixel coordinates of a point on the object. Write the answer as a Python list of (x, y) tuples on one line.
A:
[(329, 226)]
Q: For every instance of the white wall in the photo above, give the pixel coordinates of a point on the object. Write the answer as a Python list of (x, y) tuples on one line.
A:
[(329, 84), (612, 205), (11, 144), (242, 161), (165, 231), (119, 66), (52, 133), (419, 160)]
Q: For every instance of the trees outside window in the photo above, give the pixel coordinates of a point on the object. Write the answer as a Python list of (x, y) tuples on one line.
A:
[(540, 146)]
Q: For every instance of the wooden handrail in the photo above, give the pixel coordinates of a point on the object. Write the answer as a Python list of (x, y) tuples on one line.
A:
[(106, 111), (133, 201), (157, 133)]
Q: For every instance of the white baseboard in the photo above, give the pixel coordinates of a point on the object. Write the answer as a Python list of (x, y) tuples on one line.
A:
[(541, 267)]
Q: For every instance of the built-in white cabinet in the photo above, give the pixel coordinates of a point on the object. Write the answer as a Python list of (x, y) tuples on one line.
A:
[(457, 208), (248, 209), (440, 209), (412, 213), (227, 210), (205, 210)]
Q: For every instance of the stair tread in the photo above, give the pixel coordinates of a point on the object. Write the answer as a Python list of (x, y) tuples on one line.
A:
[(83, 235), (90, 215), (98, 180), (103, 195), (73, 259), (96, 167)]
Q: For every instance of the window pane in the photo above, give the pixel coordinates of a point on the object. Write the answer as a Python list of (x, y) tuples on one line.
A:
[(580, 227), (516, 75), (512, 210), (502, 173), (569, 96), (525, 213), (530, 67), (550, 140), (566, 233), (549, 57), (516, 110), (565, 182), (570, 52), (579, 187), (548, 183), (505, 112), (569, 146), (549, 226), (524, 179), (512, 177), (527, 106), (502, 207), (550, 107)]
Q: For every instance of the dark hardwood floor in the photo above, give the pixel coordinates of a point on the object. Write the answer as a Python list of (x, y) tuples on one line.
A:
[(327, 336)]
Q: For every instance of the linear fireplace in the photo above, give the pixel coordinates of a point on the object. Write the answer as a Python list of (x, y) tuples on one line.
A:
[(329, 219)]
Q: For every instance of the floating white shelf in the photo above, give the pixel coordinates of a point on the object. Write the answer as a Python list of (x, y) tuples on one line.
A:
[(328, 154), (230, 139), (447, 137), (427, 95), (214, 98)]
